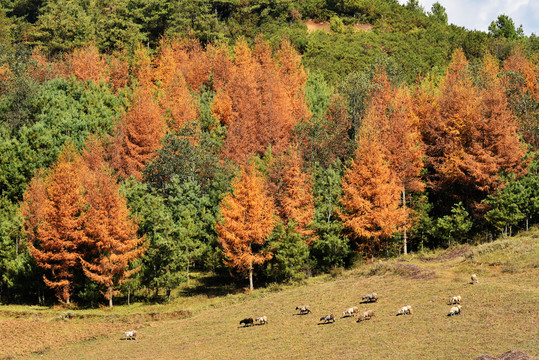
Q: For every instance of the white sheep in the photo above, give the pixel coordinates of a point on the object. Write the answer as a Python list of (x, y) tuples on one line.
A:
[(328, 318), (305, 309), (405, 310), (455, 300), (370, 297), (262, 320), (130, 335), (366, 315), (474, 279), (455, 310), (350, 311)]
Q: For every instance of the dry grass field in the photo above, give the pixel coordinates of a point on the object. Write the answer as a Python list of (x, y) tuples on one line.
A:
[(499, 314)]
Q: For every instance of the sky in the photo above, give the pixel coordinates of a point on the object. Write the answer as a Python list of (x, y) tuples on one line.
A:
[(478, 14)]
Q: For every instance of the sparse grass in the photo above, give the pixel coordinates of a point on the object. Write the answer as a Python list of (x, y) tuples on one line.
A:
[(498, 314)]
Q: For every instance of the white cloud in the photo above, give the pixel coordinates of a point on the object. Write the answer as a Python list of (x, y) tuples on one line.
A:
[(478, 14)]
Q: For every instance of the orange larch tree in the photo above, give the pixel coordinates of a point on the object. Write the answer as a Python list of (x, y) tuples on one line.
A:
[(111, 233), (86, 64), (247, 221), (139, 135), (259, 98), (390, 112), (371, 195), (176, 100), (297, 197), (521, 82), (61, 215), (469, 134)]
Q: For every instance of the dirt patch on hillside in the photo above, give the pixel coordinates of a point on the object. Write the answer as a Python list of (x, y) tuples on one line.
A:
[(313, 26), (20, 337), (363, 27), (414, 272), (510, 355), (451, 253)]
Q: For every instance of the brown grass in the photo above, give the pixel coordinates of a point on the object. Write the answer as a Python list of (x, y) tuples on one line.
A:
[(498, 314)]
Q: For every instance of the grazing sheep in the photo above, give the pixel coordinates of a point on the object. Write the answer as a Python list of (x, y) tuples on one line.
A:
[(370, 297), (247, 322), (327, 318), (455, 300), (130, 335), (350, 311), (474, 279), (262, 320), (455, 310), (303, 309), (405, 310), (366, 315)]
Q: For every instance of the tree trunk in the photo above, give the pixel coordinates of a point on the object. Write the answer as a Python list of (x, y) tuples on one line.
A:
[(187, 271), (251, 287), (110, 297), (405, 245), (128, 297)]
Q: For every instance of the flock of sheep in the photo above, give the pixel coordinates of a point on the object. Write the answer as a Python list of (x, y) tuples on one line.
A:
[(366, 315), (350, 312)]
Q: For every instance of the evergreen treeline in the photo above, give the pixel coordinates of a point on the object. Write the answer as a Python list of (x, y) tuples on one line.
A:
[(142, 140)]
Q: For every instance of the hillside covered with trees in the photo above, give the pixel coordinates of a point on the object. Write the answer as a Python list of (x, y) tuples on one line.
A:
[(143, 140)]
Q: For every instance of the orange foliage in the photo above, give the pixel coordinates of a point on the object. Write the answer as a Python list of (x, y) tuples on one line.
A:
[(521, 83), (87, 64), (60, 215), (118, 70), (192, 61), (518, 63), (248, 219), (111, 233), (143, 68), (469, 133), (221, 108), (40, 68), (371, 195), (176, 98), (266, 96), (5, 76), (390, 112), (139, 135), (297, 198)]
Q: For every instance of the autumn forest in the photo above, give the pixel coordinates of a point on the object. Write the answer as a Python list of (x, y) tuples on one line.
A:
[(143, 141)]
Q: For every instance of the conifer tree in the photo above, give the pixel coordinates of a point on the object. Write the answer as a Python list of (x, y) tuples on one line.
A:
[(297, 198), (248, 220), (60, 213), (469, 134), (139, 134), (390, 112), (371, 196), (110, 232)]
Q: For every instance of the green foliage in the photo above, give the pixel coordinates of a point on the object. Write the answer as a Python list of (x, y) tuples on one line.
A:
[(454, 228), (504, 27), (290, 253), (195, 17), (17, 93), (317, 94), (438, 12), (163, 261), (64, 25), (330, 248), (67, 110), (518, 200), (336, 25)]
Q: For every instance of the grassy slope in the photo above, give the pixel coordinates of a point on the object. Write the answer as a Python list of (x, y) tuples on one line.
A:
[(499, 314)]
